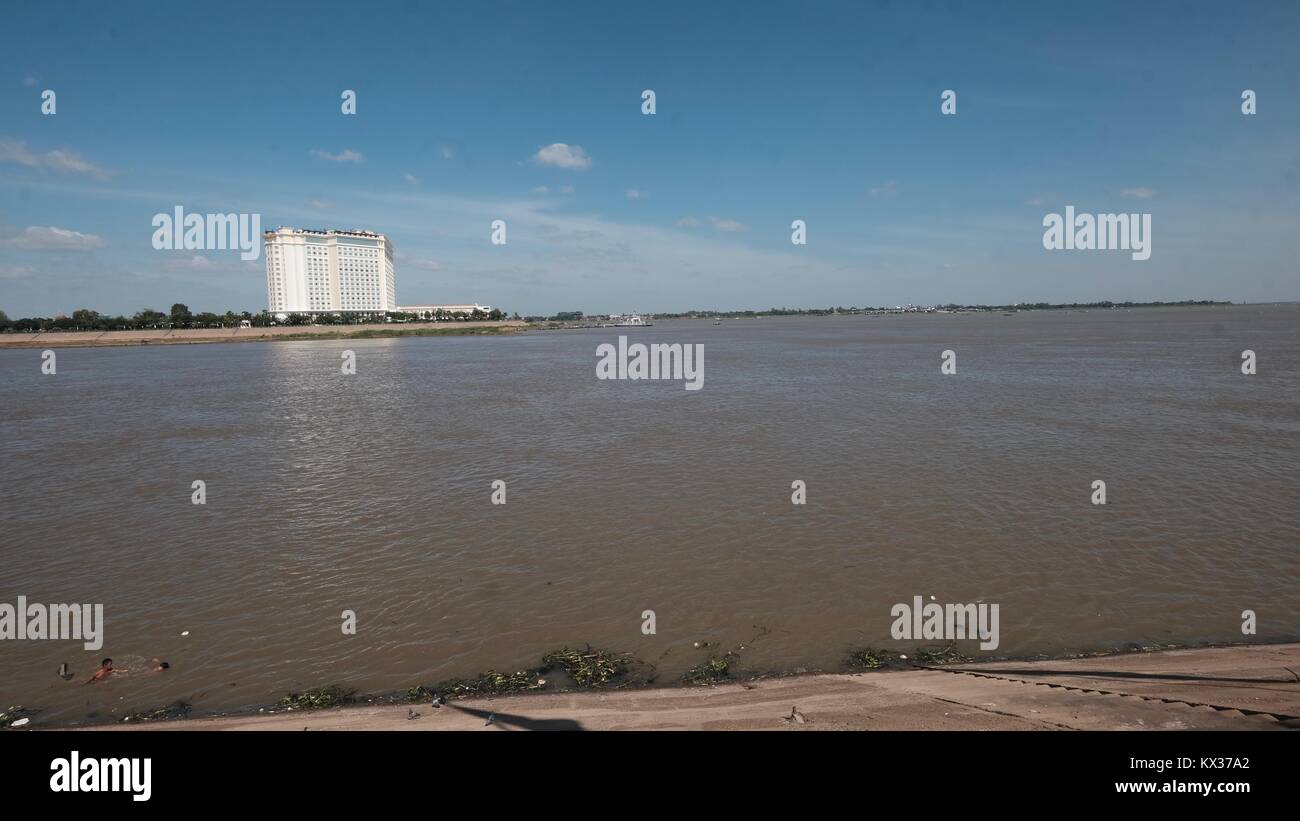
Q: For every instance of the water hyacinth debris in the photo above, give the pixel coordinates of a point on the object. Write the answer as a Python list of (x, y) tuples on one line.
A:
[(318, 698), (589, 668)]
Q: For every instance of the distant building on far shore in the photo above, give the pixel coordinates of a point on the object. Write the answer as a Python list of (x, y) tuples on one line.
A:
[(313, 272), (430, 311), (338, 272)]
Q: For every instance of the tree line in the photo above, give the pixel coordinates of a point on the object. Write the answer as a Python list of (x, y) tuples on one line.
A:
[(180, 316)]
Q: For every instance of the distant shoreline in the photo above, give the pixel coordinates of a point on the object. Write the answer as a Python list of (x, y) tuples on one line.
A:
[(285, 333), (950, 308), (277, 333)]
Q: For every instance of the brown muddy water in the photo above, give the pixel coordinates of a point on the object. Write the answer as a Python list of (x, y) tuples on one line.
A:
[(372, 493)]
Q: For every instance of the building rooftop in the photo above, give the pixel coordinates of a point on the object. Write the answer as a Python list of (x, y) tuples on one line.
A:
[(355, 232)]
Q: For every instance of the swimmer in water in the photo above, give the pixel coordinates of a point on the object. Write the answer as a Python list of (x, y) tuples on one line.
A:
[(105, 670)]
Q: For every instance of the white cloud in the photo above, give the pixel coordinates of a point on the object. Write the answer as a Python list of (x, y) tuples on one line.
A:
[(688, 222), (614, 263), (412, 179), (1138, 193), (633, 194), (725, 225), (1036, 202), (322, 205), (562, 155), (65, 162), (15, 271), (194, 263), (889, 189), (566, 189), (446, 151), (541, 189), (347, 155), (38, 238)]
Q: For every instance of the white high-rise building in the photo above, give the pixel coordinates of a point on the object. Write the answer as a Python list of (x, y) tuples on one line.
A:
[(329, 271)]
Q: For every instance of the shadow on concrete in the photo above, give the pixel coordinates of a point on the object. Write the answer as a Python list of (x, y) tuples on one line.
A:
[(507, 721)]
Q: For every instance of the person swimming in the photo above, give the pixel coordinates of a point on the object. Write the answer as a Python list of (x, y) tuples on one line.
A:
[(105, 670)]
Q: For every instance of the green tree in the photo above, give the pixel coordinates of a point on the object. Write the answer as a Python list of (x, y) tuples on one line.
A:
[(85, 318), (180, 315), (149, 318)]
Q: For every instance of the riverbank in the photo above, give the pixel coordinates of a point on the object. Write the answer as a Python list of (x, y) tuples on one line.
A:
[(1226, 688), (199, 336)]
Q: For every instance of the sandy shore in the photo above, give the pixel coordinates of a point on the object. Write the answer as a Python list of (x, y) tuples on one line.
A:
[(195, 336), (1224, 688)]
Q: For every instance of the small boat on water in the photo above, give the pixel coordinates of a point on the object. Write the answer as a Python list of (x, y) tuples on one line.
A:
[(630, 320)]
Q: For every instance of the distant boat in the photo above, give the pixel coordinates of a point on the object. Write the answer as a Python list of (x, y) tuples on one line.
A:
[(630, 320)]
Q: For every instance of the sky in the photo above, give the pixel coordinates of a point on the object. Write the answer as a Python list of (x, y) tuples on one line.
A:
[(766, 113)]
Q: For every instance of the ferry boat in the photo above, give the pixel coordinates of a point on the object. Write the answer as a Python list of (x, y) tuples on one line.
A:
[(630, 320)]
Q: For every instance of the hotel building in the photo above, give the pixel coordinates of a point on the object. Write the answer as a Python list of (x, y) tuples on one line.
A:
[(311, 272)]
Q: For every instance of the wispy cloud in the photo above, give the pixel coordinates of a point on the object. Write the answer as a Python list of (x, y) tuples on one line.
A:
[(888, 189), (40, 238), (719, 224), (322, 205), (194, 263), (563, 155), (634, 194), (412, 179), (727, 225), (16, 271), (64, 162), (346, 155), (541, 189), (1138, 193), (421, 264)]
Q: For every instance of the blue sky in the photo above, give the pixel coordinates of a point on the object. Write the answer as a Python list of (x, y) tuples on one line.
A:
[(766, 113)]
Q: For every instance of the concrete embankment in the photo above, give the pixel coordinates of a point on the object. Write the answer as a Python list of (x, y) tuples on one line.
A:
[(1224, 688), (196, 336)]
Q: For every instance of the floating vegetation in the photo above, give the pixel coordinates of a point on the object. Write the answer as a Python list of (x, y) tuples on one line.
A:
[(589, 668), (944, 655), (870, 658), (718, 668), (178, 709), (421, 692), (318, 699), (490, 683), (16, 717), (867, 659), (710, 672)]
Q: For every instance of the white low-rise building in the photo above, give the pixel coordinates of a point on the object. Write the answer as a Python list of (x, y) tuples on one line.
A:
[(430, 311)]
